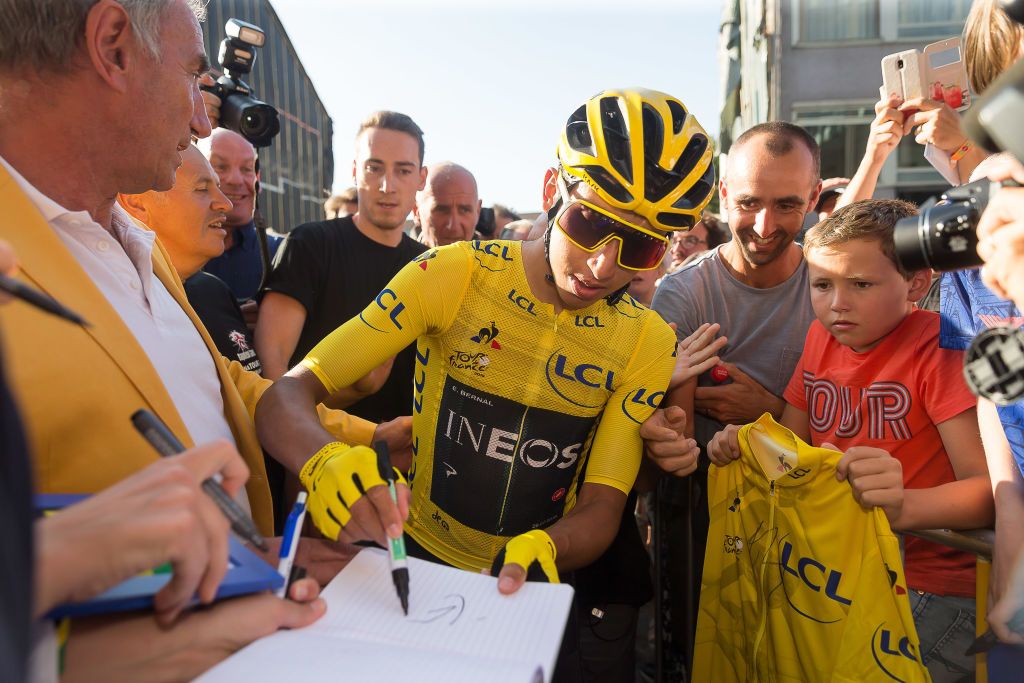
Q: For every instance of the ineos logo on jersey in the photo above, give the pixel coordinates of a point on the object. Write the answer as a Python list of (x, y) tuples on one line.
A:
[(500, 444), (641, 400), (889, 649), (388, 302), (816, 577), (491, 255), (566, 377), (522, 302)]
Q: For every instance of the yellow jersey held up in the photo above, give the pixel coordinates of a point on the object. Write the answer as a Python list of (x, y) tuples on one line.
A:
[(800, 582)]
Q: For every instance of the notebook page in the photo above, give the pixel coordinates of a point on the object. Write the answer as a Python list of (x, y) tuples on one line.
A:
[(450, 610), (456, 618), (310, 658)]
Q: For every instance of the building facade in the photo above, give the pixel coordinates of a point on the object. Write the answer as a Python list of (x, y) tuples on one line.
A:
[(818, 63), (297, 169)]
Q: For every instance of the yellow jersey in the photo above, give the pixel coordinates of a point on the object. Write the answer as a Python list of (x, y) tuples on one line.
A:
[(800, 583), (512, 402)]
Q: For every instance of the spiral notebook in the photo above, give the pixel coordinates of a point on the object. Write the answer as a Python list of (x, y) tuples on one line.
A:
[(459, 628)]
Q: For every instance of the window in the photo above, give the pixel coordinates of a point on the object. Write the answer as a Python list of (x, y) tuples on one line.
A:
[(932, 18), (842, 132), (829, 21)]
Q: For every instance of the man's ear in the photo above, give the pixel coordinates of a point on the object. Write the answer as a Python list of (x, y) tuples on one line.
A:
[(813, 201), (111, 45), (723, 194), (920, 281), (423, 178), (550, 190), (134, 205)]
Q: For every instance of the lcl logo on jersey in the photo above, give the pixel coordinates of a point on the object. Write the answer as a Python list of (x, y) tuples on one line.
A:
[(388, 302), (575, 382), (523, 302), (588, 321), (637, 402), (491, 255), (891, 650), (817, 578)]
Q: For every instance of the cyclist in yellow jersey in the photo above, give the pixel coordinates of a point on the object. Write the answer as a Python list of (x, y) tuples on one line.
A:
[(535, 369)]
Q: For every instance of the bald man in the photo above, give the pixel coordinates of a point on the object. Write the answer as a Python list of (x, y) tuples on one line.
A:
[(235, 162), (447, 208)]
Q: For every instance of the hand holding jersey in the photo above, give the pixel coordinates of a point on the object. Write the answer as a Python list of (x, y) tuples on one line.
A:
[(338, 477), (875, 477)]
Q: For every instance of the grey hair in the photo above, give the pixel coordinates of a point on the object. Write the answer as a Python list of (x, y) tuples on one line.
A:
[(43, 34)]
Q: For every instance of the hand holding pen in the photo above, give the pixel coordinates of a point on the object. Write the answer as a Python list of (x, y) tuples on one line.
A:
[(166, 444), (395, 546)]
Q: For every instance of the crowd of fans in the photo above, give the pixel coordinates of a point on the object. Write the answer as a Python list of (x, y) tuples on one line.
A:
[(279, 362)]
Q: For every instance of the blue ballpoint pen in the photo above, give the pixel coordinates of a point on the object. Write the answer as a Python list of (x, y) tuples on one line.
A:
[(290, 541)]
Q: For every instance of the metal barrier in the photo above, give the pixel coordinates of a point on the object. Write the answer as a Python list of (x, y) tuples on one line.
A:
[(979, 543)]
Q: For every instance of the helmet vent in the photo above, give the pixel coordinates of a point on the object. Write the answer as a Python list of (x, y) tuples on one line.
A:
[(660, 182), (679, 221), (577, 132), (678, 116), (696, 195), (616, 137)]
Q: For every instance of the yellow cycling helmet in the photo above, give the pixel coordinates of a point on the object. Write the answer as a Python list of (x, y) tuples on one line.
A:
[(641, 151)]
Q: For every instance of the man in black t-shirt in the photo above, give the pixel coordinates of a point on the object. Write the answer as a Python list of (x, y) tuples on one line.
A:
[(327, 272)]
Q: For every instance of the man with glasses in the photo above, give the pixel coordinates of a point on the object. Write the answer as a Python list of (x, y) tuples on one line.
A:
[(534, 367)]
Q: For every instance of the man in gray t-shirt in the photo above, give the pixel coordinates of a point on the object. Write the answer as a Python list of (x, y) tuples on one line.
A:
[(765, 326), (756, 288)]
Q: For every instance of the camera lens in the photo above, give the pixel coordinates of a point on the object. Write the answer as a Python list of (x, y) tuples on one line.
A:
[(944, 237), (254, 120)]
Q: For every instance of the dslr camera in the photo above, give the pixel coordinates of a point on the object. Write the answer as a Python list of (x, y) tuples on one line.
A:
[(944, 235), (251, 118)]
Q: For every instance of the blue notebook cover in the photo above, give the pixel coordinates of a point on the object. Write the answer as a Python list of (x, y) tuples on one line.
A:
[(247, 573)]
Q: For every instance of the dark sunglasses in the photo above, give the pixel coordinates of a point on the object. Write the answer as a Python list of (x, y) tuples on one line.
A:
[(589, 227)]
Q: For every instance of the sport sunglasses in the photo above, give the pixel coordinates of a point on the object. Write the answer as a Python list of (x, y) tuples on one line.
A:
[(589, 227)]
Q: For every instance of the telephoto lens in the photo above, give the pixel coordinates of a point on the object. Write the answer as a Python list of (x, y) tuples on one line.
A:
[(944, 236)]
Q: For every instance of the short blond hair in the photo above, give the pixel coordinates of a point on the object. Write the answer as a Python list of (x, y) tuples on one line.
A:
[(869, 219), (991, 42)]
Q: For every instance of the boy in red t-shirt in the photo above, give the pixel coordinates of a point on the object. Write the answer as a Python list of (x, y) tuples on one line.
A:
[(873, 383)]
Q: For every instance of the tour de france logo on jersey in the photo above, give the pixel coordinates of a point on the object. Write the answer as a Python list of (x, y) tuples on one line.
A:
[(477, 360), (492, 256), (893, 652), (580, 383), (423, 258)]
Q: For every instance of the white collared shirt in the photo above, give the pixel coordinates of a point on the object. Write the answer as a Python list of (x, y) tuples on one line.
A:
[(121, 266)]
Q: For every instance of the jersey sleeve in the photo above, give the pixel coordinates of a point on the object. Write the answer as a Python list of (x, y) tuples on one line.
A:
[(617, 447), (423, 298), (940, 377)]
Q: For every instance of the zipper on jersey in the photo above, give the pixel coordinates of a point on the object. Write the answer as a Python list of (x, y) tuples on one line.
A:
[(763, 626)]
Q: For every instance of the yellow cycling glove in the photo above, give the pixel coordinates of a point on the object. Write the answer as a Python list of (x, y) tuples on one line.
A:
[(336, 477), (533, 550)]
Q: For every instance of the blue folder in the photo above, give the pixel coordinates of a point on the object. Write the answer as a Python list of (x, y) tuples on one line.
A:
[(247, 573)]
